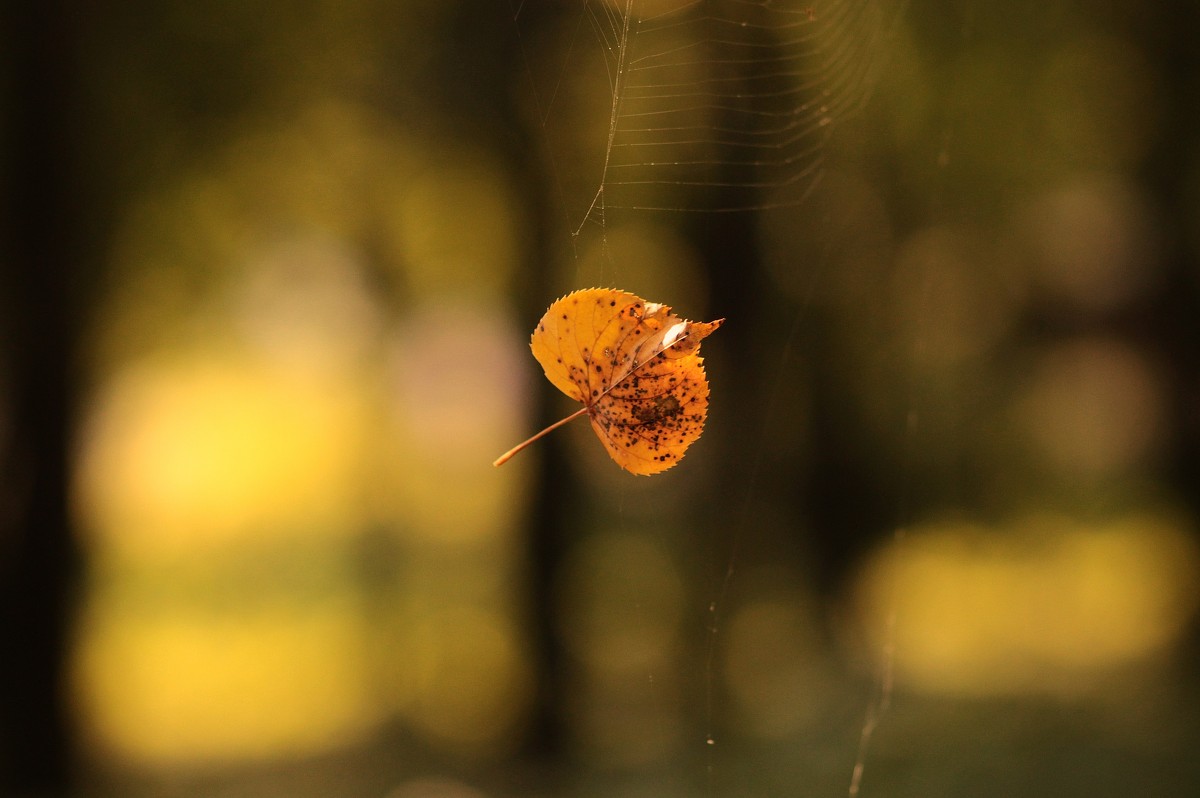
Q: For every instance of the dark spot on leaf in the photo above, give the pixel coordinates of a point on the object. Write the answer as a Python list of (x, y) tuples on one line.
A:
[(662, 408)]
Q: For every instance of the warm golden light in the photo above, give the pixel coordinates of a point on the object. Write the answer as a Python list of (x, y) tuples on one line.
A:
[(185, 455), (1047, 604), (224, 688)]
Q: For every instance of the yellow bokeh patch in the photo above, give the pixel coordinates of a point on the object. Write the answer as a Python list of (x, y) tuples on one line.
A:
[(1048, 604), (198, 452), (223, 688)]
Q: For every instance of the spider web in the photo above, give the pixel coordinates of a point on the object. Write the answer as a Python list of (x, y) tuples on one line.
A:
[(713, 105), (707, 106)]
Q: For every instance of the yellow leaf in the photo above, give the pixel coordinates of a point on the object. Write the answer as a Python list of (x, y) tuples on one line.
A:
[(635, 366)]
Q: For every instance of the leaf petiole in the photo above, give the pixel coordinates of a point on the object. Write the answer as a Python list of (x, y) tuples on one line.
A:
[(504, 458)]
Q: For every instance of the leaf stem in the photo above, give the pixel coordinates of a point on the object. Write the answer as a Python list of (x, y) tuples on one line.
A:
[(504, 458)]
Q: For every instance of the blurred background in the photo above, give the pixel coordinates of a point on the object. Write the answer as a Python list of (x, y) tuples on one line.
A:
[(269, 274)]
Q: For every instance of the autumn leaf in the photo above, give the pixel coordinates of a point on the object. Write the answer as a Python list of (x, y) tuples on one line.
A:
[(635, 366)]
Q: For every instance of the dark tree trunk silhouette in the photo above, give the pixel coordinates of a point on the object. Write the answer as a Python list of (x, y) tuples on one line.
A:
[(40, 317)]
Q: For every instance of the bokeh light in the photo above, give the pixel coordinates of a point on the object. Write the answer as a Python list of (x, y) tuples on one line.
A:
[(1045, 604), (1093, 408)]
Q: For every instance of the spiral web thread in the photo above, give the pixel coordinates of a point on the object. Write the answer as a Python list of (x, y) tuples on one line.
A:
[(727, 105)]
